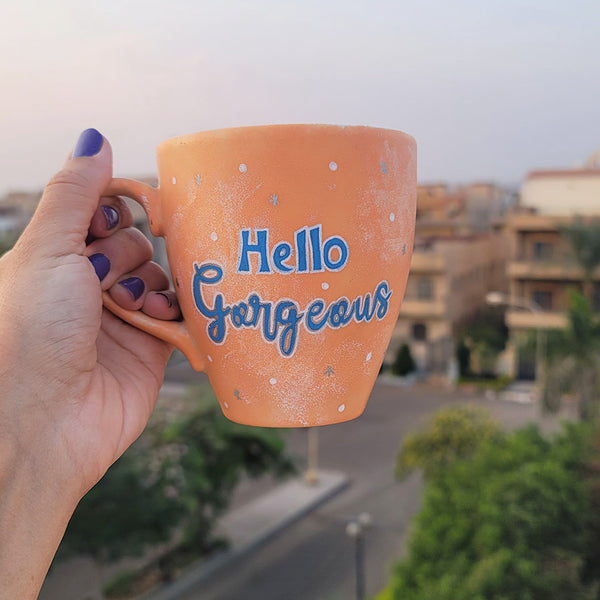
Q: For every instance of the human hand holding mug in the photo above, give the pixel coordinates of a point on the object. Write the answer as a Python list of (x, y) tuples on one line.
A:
[(289, 248)]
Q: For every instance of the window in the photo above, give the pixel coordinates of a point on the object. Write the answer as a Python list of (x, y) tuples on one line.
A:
[(424, 288), (419, 332), (543, 299), (542, 251)]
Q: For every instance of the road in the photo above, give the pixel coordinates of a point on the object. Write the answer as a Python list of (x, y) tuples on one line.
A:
[(314, 558)]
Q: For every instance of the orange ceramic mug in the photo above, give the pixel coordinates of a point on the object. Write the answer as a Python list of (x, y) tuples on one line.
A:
[(289, 248)]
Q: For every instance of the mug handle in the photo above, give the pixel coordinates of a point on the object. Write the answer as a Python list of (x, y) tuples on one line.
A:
[(173, 332)]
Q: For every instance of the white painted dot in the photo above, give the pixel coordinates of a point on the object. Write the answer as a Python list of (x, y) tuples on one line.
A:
[(272, 381), (392, 217), (243, 168), (325, 285), (174, 180), (333, 166), (341, 408), (213, 236), (198, 179), (225, 405), (369, 356), (209, 357)]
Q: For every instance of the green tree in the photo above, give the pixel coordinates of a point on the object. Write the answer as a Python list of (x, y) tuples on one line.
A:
[(179, 474), (454, 432), (463, 357), (513, 521), (573, 359), (404, 363), (208, 455), (485, 336)]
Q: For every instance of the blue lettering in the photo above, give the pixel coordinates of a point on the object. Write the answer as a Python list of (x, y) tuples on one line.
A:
[(281, 253), (339, 314), (366, 312), (262, 242), (217, 329), (279, 322), (302, 264), (315, 242), (314, 310), (340, 244), (382, 299), (288, 316)]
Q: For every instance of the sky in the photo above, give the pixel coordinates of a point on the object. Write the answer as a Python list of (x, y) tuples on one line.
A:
[(490, 89)]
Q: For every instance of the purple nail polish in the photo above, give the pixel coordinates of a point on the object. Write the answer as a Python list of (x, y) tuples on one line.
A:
[(111, 216), (101, 265), (134, 285), (89, 143)]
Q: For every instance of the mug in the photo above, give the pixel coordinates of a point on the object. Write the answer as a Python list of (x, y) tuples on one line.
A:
[(289, 248)]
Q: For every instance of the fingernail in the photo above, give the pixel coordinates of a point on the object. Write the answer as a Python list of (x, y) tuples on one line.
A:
[(134, 285), (89, 143), (101, 265), (111, 216), (166, 297)]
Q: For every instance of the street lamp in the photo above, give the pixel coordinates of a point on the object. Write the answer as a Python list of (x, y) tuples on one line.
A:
[(356, 530), (312, 471), (501, 299)]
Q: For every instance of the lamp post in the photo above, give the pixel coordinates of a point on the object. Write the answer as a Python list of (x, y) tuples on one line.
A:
[(499, 299), (356, 530), (312, 471)]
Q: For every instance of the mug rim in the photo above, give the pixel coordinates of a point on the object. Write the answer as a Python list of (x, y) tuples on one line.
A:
[(189, 137)]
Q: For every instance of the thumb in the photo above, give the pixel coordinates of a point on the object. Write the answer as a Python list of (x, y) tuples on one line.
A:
[(61, 222)]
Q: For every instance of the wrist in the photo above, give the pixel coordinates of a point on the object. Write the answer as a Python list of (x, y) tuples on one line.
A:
[(33, 518)]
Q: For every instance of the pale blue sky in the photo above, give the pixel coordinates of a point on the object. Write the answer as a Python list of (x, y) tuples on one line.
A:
[(490, 89)]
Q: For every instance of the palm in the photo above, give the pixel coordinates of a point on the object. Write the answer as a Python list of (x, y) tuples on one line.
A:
[(123, 387), (111, 372)]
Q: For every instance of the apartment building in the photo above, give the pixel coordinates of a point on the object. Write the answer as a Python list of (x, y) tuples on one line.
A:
[(542, 266), (449, 279), (459, 256)]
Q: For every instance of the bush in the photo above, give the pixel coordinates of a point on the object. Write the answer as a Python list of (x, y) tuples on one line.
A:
[(514, 520), (404, 363)]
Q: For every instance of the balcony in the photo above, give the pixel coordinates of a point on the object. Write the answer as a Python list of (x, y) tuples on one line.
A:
[(413, 308), (520, 319), (565, 270), (427, 262)]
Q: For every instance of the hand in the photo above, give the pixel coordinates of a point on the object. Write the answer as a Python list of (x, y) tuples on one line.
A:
[(78, 384)]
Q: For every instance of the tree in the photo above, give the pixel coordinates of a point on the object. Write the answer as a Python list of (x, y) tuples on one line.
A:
[(573, 359), (514, 520), (584, 238), (208, 455), (463, 357), (181, 473), (454, 432), (404, 363), (481, 340)]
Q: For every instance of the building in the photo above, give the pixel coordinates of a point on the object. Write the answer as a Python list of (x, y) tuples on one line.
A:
[(449, 279), (458, 257), (16, 209), (542, 266)]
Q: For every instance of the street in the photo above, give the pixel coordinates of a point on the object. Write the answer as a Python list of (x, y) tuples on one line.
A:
[(314, 559)]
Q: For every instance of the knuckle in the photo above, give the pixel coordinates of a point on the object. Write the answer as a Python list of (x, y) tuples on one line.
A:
[(141, 241), (123, 209), (68, 180)]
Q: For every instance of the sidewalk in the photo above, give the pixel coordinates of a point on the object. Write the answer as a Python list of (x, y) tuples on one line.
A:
[(254, 523)]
